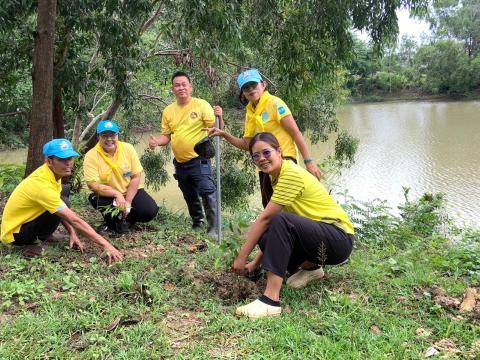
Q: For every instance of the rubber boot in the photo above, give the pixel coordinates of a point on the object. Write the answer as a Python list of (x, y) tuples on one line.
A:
[(210, 205), (196, 213)]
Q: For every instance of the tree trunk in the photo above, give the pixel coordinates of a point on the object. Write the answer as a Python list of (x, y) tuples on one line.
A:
[(109, 114), (58, 119), (41, 125)]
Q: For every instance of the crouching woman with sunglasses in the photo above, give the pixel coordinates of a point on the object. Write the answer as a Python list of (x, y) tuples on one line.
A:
[(301, 229)]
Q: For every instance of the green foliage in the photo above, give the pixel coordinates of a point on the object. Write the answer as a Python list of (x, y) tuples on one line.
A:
[(112, 210), (238, 182), (423, 216), (345, 149), (445, 67), (372, 220), (10, 177), (154, 166), (459, 20), (463, 255), (164, 301)]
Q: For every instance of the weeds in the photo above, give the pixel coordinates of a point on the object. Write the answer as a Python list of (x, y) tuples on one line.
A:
[(175, 303)]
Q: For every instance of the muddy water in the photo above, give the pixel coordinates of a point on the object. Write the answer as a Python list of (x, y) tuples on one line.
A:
[(427, 146)]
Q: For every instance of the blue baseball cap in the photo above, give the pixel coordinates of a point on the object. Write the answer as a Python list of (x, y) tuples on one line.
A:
[(107, 125), (61, 148), (251, 75)]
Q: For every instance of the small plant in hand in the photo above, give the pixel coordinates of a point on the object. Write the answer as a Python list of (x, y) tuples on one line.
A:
[(112, 210)]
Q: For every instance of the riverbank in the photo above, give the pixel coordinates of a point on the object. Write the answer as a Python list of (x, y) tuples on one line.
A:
[(174, 297), (412, 95)]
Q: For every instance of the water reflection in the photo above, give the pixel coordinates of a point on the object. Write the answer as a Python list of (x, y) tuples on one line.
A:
[(427, 146)]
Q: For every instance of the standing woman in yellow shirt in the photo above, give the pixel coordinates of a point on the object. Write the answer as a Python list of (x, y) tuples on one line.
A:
[(265, 112), (301, 229), (113, 172)]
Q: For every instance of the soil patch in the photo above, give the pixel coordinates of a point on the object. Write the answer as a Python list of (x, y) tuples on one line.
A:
[(182, 327), (231, 288), (191, 243), (468, 303)]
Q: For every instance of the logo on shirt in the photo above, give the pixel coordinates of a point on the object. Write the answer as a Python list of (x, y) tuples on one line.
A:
[(281, 110), (127, 174), (193, 115), (265, 116)]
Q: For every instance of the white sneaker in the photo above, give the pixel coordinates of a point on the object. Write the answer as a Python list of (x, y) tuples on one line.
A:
[(302, 277), (258, 309)]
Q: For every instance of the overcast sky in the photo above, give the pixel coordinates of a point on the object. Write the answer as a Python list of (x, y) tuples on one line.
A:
[(411, 26), (408, 26)]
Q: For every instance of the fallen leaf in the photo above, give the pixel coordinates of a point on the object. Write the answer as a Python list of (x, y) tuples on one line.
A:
[(431, 351), (92, 298), (192, 248), (168, 286), (446, 345), (421, 332), (57, 295), (468, 303), (113, 325), (287, 309), (438, 291), (375, 329)]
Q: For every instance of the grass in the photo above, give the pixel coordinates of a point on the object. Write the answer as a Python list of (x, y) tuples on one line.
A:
[(168, 299)]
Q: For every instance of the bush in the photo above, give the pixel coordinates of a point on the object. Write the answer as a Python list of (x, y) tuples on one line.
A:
[(10, 177)]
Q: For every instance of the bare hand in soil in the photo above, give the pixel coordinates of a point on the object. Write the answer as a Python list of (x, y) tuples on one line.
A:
[(75, 242), (251, 266), (113, 255), (239, 265)]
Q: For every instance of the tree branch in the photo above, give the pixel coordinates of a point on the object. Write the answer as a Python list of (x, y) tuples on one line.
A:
[(150, 21), (152, 97)]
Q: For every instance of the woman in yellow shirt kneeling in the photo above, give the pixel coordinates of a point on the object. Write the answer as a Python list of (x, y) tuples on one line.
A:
[(300, 230), (113, 172)]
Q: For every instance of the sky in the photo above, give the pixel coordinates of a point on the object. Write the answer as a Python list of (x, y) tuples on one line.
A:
[(409, 26)]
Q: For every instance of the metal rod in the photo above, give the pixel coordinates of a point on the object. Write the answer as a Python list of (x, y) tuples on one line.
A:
[(219, 185)]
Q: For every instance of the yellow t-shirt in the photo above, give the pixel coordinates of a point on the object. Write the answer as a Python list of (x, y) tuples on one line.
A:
[(97, 170), (37, 193), (184, 124), (275, 110), (301, 193)]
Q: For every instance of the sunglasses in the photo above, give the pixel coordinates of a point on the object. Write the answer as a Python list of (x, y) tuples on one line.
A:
[(265, 153)]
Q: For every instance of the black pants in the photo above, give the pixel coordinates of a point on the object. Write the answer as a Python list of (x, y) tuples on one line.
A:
[(195, 180), (292, 239), (43, 226), (266, 188), (144, 208), (39, 228)]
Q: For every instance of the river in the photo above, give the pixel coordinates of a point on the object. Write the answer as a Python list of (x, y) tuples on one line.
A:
[(426, 146)]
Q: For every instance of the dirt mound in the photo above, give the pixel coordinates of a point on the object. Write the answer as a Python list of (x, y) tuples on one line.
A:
[(231, 288), (469, 303)]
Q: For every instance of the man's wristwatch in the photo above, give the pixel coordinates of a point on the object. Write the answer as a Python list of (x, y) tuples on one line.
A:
[(307, 161)]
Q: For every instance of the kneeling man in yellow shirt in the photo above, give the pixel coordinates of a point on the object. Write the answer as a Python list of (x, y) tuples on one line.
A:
[(35, 208)]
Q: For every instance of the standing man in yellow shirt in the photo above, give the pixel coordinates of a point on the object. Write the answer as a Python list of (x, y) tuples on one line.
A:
[(35, 208), (182, 124)]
